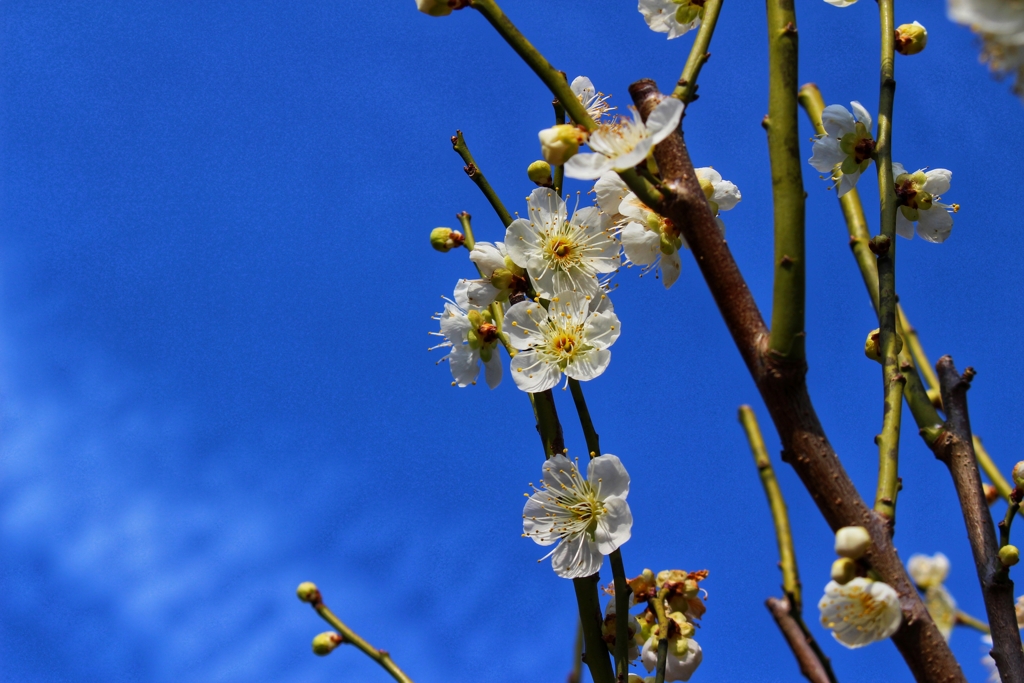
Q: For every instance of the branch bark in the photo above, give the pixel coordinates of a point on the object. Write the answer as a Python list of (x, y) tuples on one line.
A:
[(784, 390), (956, 450), (810, 666)]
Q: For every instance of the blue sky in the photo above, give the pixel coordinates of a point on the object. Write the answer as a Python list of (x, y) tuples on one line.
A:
[(216, 287)]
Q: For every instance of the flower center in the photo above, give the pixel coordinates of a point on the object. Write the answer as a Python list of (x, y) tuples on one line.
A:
[(488, 333)]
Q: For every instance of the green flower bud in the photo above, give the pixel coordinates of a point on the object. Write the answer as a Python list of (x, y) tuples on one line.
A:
[(843, 570), (325, 643), (444, 239), (1018, 475), (1009, 555), (308, 592), (559, 143), (501, 278), (911, 38), (540, 173), (852, 542), (435, 8)]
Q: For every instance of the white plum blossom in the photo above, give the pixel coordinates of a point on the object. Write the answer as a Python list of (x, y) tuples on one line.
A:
[(860, 612), (918, 194), (472, 335), (928, 571), (596, 103), (846, 147), (572, 337), (562, 254), (1000, 25), (499, 275), (679, 666), (622, 143), (722, 195), (674, 17), (588, 518), (608, 630), (649, 240), (609, 191)]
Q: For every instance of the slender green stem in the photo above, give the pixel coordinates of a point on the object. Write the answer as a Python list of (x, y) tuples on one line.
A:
[(965, 619), (467, 230), (596, 655), (559, 171), (686, 88), (496, 311), (911, 340), (787, 328), (1004, 526), (576, 676), (349, 636), (787, 556), (478, 177), (622, 594), (589, 433), (657, 605)]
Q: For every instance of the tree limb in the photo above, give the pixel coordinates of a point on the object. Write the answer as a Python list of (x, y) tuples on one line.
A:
[(797, 638)]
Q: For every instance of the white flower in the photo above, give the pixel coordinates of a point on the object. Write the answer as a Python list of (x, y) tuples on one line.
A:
[(918, 194), (471, 334), (678, 667), (587, 518), (649, 240), (860, 612), (571, 336), (559, 254), (596, 103), (608, 630), (722, 195), (1000, 24), (845, 149), (623, 143), (928, 571), (559, 143), (841, 3), (499, 276), (610, 190), (942, 608), (674, 17)]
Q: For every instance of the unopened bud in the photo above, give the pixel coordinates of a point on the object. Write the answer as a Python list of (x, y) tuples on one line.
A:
[(843, 571), (852, 542), (1009, 555), (308, 592), (873, 345), (991, 493), (445, 239), (1018, 475), (325, 643), (559, 143), (540, 172), (911, 38), (435, 8)]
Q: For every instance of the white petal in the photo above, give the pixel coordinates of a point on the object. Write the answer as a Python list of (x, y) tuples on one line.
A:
[(825, 154), (937, 181), (840, 3), (587, 166), (608, 477), (634, 156), (454, 324), (642, 246), (837, 120), (664, 119), (558, 472), (632, 207), (682, 668), (576, 557), (492, 369), (726, 195), (521, 323), (521, 241), (487, 258), (848, 181), (861, 114), (610, 190), (480, 293), (537, 521), (709, 174), (465, 365), (575, 281), (546, 209), (581, 85), (904, 228), (533, 375), (573, 305), (462, 294), (588, 365), (602, 329), (935, 224), (671, 266), (614, 526), (897, 170)]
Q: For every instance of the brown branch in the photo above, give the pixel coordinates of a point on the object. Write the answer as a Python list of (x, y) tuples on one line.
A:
[(810, 666), (956, 449), (784, 390)]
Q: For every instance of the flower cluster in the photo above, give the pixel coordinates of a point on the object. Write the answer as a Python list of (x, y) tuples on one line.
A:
[(929, 575), (674, 602)]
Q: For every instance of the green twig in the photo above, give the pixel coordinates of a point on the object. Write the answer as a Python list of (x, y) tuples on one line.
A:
[(559, 171), (1004, 526), (589, 433), (576, 675), (478, 177), (349, 636), (686, 88), (657, 605), (965, 619)]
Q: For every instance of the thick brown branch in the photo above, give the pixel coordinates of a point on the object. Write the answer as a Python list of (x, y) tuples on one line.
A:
[(956, 449), (784, 390), (810, 666)]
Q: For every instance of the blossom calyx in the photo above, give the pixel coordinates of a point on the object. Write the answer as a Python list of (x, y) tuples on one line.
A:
[(643, 586), (911, 38), (446, 239), (435, 8), (308, 592), (559, 143), (325, 643), (1009, 555), (540, 172), (844, 570), (852, 542)]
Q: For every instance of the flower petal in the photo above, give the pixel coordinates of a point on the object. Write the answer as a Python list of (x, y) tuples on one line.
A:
[(487, 257), (664, 119), (521, 324), (609, 190), (825, 154), (532, 374), (576, 557), (521, 241), (861, 114), (935, 224), (492, 369), (671, 266), (642, 246), (848, 181), (480, 293), (727, 195), (937, 181), (464, 364), (558, 473), (904, 228), (608, 477), (587, 365), (614, 527), (538, 524), (454, 324), (546, 209), (602, 329), (587, 166), (837, 121)]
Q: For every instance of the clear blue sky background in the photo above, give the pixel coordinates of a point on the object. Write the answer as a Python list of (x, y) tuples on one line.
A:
[(216, 288)]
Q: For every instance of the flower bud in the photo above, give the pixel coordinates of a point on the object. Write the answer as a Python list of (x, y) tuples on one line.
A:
[(844, 570), (308, 592), (325, 643), (852, 542), (540, 172), (559, 143), (1009, 555), (435, 8), (444, 239), (991, 493), (911, 38), (1018, 475), (873, 345)]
